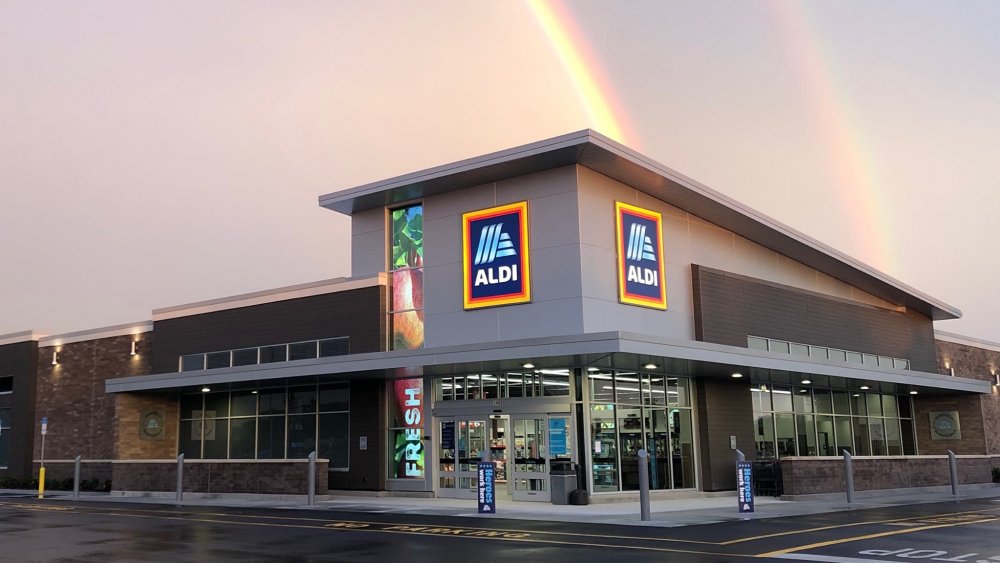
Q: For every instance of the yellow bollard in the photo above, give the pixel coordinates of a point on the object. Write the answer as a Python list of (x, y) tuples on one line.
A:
[(41, 483)]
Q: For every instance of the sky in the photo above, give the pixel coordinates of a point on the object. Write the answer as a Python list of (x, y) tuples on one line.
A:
[(154, 154)]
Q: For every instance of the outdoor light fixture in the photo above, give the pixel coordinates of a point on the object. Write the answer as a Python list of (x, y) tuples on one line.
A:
[(737, 375), (132, 352), (865, 387), (527, 365), (592, 370), (998, 380), (806, 382), (913, 392), (254, 392), (649, 366), (55, 357), (205, 389)]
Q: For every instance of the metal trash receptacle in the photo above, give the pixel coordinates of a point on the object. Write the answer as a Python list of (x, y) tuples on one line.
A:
[(562, 480)]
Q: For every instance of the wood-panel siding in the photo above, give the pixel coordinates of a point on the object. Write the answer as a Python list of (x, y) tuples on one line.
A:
[(729, 307)]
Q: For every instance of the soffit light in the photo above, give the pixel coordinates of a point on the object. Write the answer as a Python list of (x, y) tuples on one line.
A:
[(865, 387), (527, 365), (913, 392), (806, 382), (205, 389), (649, 366), (737, 375)]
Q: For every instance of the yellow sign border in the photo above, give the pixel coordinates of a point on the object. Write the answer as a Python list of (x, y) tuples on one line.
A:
[(623, 296), (511, 299)]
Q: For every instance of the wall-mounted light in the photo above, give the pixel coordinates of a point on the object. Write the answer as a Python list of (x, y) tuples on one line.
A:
[(997, 376), (132, 352), (55, 358)]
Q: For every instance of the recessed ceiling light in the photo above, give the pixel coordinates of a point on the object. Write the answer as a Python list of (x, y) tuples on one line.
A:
[(737, 375), (254, 392), (913, 392), (592, 370), (806, 382), (205, 389), (649, 366), (527, 365), (865, 387)]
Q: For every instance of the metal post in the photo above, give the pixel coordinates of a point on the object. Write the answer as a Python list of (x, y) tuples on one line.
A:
[(953, 465), (76, 477), (180, 477), (849, 475), (312, 479), (643, 485), (740, 456)]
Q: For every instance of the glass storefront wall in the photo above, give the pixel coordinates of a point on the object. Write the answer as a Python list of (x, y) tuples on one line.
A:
[(630, 411), (805, 421), (273, 423)]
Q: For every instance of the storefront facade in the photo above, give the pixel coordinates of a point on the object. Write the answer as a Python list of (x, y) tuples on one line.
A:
[(564, 302)]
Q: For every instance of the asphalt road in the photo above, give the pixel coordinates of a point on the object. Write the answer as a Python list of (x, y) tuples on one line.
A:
[(58, 530)]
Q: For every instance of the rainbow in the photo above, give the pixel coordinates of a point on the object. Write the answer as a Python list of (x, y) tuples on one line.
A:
[(593, 89), (841, 130)]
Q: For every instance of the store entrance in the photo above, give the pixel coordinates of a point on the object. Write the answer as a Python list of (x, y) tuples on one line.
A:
[(518, 444)]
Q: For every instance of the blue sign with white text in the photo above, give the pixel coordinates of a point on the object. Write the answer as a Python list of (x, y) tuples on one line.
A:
[(495, 256), (744, 485), (487, 487), (640, 256), (557, 436)]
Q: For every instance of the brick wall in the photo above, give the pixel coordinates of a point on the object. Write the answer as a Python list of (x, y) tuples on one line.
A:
[(131, 442), (804, 476), (288, 477), (982, 364), (971, 422), (82, 417)]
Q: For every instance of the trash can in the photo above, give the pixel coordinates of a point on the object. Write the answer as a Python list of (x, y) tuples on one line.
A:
[(562, 480)]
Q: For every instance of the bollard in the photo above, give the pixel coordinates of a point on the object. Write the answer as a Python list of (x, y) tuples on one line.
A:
[(312, 479), (180, 478), (644, 485), (953, 465), (849, 475), (76, 477)]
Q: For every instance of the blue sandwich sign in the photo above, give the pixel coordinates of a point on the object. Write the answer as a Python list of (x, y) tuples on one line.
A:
[(638, 234), (495, 256)]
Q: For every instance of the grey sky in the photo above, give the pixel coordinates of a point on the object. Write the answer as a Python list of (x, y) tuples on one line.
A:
[(159, 153)]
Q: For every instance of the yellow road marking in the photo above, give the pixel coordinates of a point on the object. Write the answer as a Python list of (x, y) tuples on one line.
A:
[(871, 536)]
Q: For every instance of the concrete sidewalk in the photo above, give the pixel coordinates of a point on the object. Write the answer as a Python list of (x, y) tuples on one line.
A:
[(663, 513)]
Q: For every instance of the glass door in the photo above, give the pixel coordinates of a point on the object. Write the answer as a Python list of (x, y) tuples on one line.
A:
[(530, 469), (460, 447)]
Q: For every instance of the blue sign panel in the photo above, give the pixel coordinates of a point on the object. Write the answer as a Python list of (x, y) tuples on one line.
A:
[(487, 487), (495, 256), (640, 256), (557, 436), (744, 485)]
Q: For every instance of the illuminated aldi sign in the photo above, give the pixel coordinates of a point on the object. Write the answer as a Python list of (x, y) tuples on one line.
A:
[(640, 256), (495, 256)]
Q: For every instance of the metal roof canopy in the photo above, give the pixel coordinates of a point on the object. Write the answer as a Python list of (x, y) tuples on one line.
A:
[(607, 350), (601, 154)]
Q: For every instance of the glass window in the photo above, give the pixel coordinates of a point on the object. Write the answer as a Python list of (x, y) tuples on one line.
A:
[(406, 263), (841, 402), (301, 435), (601, 387), (893, 440), (631, 440), (216, 360), (654, 391), (854, 357), (784, 434), (489, 386), (272, 401), (869, 359), (838, 355), (900, 364), (761, 397), (874, 404), (825, 438), (245, 357), (799, 349), (678, 392), (904, 407), (334, 347), (884, 362), (806, 434), (216, 405), (906, 435), (244, 403), (822, 401), (271, 437), (682, 448), (859, 405), (189, 441), (876, 431), (802, 399), (756, 343), (271, 354), (7, 384), (861, 438), (191, 406), (889, 407), (334, 397), (845, 435), (627, 388), (301, 400), (764, 435), (334, 439), (778, 346), (216, 438), (555, 384), (782, 398), (242, 438), (818, 352), (605, 448), (193, 362), (302, 351), (472, 389)]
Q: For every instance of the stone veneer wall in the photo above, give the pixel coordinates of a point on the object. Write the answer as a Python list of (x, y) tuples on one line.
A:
[(974, 363), (82, 417), (817, 475), (131, 443), (286, 476)]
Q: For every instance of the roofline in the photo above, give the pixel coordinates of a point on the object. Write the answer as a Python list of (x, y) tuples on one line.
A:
[(966, 340), (270, 296), (96, 334), (610, 158), (17, 337)]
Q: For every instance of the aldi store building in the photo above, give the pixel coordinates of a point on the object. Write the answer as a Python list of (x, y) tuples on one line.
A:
[(564, 302)]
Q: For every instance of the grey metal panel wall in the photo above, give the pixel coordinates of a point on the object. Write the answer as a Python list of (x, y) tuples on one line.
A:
[(357, 313), (728, 307), (368, 238), (21, 361)]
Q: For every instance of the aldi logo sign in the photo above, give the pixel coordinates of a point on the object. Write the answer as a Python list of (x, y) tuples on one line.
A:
[(640, 256), (495, 256)]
